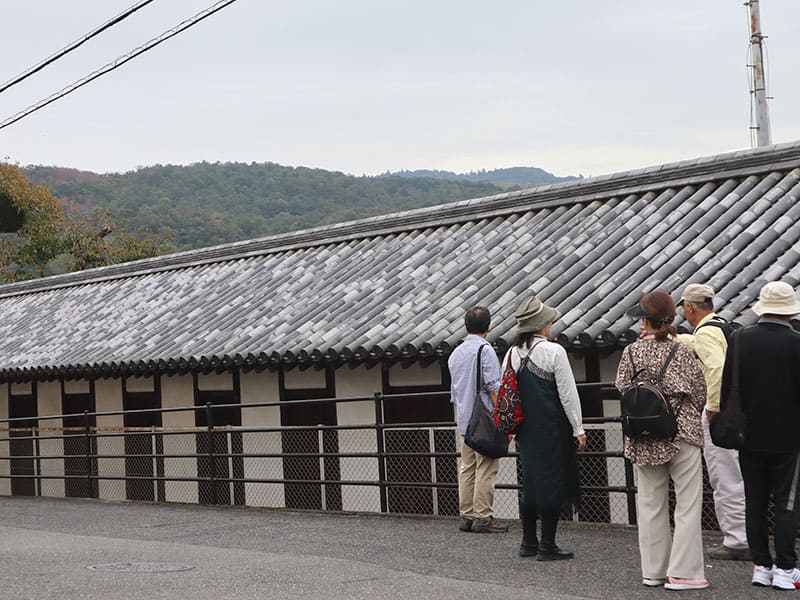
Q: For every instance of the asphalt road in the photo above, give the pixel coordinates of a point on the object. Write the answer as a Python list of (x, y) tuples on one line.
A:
[(47, 544)]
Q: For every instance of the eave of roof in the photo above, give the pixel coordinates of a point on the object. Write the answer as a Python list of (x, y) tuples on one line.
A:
[(393, 287)]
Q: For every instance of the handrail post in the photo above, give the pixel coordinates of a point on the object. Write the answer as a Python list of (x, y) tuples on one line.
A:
[(630, 492), (381, 448), (87, 437), (211, 460)]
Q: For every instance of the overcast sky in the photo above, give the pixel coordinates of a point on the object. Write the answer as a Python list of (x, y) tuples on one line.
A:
[(365, 86)]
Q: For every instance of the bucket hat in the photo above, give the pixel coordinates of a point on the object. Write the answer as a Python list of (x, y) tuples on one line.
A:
[(533, 315), (777, 298)]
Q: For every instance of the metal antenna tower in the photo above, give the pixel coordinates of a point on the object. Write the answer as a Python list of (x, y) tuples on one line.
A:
[(758, 89)]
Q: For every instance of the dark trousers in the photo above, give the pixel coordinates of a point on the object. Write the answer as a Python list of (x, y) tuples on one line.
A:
[(549, 518), (771, 475)]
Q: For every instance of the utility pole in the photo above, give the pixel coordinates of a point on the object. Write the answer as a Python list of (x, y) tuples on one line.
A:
[(759, 86)]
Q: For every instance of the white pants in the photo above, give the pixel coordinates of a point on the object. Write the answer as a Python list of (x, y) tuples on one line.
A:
[(664, 554), (725, 476)]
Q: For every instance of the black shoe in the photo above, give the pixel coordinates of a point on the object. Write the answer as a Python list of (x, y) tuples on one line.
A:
[(526, 550), (466, 524), (552, 552)]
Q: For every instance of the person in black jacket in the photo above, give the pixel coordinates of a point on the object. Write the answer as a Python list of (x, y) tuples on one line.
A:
[(769, 389)]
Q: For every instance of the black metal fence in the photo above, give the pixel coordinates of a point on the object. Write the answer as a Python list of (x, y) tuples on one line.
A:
[(366, 466)]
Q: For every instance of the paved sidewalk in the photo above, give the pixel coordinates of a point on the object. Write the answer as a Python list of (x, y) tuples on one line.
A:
[(46, 546)]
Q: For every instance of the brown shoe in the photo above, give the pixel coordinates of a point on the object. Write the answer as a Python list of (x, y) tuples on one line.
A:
[(466, 524), (488, 525), (723, 552)]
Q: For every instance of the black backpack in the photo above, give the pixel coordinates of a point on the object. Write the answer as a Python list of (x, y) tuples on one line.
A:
[(727, 327), (646, 412)]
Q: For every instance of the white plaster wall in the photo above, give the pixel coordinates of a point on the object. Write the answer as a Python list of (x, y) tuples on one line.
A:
[(256, 388), (215, 381), (4, 402), (48, 395), (415, 374), (354, 383), (295, 379), (5, 467), (108, 398), (21, 389), (178, 391), (140, 384), (78, 386), (608, 366), (578, 366)]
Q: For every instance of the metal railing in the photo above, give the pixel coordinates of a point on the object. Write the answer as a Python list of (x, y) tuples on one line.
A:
[(367, 465)]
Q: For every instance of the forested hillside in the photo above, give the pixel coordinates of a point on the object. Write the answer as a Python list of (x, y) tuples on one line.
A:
[(509, 176), (206, 204)]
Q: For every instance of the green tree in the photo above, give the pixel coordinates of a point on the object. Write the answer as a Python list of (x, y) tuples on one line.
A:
[(214, 203), (42, 238)]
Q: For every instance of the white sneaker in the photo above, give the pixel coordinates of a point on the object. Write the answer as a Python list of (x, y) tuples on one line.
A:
[(786, 580), (762, 576)]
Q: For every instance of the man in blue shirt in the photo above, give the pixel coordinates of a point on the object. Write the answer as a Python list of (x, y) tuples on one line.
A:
[(478, 473)]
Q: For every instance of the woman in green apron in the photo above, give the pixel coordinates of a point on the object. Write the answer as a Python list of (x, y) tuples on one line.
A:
[(550, 432)]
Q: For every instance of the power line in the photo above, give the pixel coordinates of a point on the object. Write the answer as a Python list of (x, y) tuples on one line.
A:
[(77, 43), (115, 64)]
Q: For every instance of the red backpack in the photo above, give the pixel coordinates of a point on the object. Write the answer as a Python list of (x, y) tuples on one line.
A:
[(508, 408)]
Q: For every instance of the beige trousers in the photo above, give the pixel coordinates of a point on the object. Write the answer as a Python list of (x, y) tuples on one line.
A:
[(664, 553), (476, 479)]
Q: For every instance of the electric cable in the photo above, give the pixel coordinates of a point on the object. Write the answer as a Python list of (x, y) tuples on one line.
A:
[(76, 44), (115, 64)]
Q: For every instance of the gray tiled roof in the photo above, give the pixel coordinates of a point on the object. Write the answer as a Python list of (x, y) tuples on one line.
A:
[(395, 286)]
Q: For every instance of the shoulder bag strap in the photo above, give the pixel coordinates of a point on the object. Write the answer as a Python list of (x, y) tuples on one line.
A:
[(672, 352), (634, 372), (477, 405), (735, 375), (528, 355), (479, 371), (508, 360)]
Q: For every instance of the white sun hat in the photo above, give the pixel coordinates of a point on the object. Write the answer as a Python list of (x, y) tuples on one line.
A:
[(777, 298)]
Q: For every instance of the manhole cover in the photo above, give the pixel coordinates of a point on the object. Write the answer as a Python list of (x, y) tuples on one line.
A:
[(141, 567)]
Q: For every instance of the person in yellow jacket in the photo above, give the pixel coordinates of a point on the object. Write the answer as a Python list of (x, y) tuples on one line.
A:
[(710, 344)]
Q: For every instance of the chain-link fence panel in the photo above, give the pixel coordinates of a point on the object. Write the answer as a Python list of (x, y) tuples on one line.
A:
[(409, 460), (263, 468), (111, 462), (359, 463), (181, 465), (363, 468)]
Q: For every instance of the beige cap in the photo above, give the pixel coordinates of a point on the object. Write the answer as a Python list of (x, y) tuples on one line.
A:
[(696, 292)]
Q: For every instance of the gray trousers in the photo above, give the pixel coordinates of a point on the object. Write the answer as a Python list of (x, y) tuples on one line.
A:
[(725, 476)]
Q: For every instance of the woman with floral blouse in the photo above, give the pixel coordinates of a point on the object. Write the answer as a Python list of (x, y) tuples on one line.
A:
[(674, 561)]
